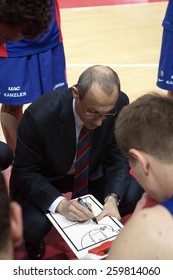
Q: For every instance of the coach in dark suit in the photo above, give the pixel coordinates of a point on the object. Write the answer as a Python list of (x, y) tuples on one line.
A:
[(46, 148)]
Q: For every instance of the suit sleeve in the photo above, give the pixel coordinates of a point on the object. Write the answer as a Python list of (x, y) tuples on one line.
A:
[(26, 178)]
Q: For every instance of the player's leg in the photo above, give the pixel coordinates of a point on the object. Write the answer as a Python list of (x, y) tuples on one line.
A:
[(10, 118), (170, 93)]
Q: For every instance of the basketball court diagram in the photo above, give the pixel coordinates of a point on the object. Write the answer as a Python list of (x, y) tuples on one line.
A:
[(88, 234)]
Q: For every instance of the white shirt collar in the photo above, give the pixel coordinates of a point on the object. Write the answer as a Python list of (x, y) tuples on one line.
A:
[(78, 120)]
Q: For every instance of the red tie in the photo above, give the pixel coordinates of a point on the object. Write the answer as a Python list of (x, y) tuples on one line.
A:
[(82, 163)]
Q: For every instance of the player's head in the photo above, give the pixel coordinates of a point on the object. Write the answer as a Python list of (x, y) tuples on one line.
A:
[(147, 125), (144, 133), (24, 19)]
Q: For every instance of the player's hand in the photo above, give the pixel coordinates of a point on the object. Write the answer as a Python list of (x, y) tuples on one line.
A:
[(72, 210), (109, 209)]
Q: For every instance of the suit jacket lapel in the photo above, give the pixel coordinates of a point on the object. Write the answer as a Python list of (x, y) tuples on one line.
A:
[(67, 127)]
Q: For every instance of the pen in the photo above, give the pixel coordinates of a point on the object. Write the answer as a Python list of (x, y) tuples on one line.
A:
[(86, 206)]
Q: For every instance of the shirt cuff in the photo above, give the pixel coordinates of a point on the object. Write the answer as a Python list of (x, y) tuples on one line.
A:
[(56, 202)]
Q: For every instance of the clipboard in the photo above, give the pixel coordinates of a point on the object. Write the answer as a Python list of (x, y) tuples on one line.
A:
[(88, 240)]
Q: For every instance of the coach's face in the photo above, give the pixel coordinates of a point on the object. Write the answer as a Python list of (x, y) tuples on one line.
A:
[(10, 33), (96, 106)]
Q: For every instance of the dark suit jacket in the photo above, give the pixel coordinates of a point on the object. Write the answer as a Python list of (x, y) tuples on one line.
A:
[(46, 147)]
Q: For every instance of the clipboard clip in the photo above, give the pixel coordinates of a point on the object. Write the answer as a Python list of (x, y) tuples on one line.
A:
[(102, 249)]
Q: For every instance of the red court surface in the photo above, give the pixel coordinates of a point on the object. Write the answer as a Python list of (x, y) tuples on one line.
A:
[(91, 3)]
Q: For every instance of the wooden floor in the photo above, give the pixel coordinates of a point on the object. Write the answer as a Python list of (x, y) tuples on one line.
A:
[(125, 37)]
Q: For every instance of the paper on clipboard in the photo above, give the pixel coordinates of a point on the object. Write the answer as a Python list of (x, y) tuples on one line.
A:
[(81, 237)]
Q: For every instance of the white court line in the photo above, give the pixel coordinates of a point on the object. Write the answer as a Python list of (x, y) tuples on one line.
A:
[(154, 65)]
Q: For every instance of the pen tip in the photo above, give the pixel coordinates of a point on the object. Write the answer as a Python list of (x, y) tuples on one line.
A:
[(95, 220)]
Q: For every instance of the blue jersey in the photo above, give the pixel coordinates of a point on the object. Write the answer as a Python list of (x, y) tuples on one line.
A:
[(25, 47), (168, 20), (168, 204)]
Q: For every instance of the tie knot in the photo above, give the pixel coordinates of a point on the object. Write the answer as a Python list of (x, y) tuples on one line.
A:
[(84, 131)]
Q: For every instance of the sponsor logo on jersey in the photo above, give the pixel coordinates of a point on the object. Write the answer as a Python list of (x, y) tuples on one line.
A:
[(169, 82), (14, 94), (58, 85), (14, 88)]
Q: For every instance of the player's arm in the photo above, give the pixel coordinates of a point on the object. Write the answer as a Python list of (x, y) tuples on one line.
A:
[(144, 236)]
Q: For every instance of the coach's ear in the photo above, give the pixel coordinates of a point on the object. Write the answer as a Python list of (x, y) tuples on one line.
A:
[(75, 92), (141, 159)]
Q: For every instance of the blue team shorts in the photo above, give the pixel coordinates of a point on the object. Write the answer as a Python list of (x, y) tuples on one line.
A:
[(165, 71), (24, 79)]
